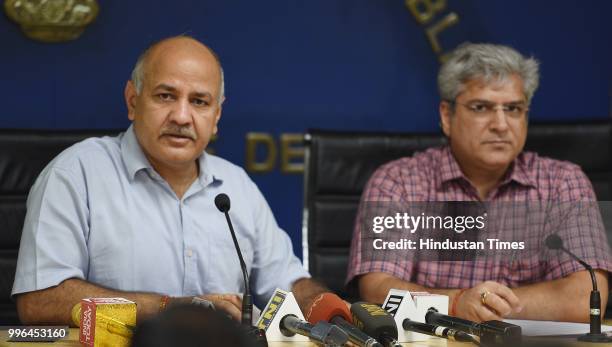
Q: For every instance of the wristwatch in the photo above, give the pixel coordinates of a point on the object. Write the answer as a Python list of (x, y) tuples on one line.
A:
[(203, 302)]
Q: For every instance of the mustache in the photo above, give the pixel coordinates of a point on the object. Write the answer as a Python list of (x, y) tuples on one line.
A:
[(496, 140), (182, 131)]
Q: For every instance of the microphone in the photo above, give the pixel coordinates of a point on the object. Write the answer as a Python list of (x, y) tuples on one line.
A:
[(493, 332), (322, 332), (222, 201), (434, 330), (375, 321), (554, 242), (328, 307)]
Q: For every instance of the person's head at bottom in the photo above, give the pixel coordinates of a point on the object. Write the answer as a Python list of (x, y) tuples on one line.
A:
[(189, 326)]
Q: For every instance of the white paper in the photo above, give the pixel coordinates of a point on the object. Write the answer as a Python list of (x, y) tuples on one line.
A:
[(549, 328)]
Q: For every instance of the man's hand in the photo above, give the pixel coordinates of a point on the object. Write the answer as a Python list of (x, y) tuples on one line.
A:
[(230, 304), (305, 291), (488, 301)]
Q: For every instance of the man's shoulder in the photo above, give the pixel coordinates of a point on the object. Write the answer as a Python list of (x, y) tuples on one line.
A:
[(542, 167), (225, 169), (91, 150), (222, 164), (557, 179), (419, 163), (235, 182), (409, 178)]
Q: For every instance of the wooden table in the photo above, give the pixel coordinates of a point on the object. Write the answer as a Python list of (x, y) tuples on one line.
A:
[(73, 341)]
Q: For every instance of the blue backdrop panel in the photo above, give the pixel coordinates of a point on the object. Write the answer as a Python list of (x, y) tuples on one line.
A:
[(291, 65)]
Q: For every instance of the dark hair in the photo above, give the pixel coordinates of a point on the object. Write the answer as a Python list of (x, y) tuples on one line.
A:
[(189, 326)]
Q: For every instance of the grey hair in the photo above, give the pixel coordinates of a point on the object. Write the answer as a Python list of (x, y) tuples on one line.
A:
[(137, 76), (489, 63)]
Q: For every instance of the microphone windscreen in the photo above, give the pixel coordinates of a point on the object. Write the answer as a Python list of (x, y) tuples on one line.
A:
[(373, 320), (431, 317), (327, 306), (553, 241), (222, 201)]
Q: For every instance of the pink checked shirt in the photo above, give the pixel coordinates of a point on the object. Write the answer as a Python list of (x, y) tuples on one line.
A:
[(434, 175)]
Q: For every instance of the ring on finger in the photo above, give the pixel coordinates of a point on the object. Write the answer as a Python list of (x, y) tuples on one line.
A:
[(483, 297)]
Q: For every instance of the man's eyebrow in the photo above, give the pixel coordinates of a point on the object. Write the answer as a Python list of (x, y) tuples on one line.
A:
[(170, 88), (482, 101), (202, 95), (518, 102), (165, 87)]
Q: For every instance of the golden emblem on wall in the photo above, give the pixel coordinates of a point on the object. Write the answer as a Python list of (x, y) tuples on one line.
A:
[(52, 20)]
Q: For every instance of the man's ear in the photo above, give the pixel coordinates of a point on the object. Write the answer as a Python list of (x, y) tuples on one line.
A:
[(446, 113), (130, 99), (218, 115)]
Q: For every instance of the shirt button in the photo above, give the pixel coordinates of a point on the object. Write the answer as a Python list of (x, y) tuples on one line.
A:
[(189, 253)]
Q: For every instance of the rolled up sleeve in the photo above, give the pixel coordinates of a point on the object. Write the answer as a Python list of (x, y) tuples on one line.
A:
[(53, 244)]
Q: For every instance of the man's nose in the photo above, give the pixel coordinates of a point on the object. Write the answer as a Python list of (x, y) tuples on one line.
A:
[(181, 113), (499, 122)]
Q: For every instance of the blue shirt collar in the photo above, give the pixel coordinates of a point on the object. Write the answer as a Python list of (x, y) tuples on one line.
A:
[(209, 173), (135, 160)]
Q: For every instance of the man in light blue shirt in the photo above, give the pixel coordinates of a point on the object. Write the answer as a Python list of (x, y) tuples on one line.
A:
[(133, 216)]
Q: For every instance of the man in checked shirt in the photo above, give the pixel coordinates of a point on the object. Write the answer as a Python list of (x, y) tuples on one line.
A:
[(485, 91)]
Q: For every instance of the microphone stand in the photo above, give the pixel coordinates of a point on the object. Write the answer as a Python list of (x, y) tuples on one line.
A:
[(247, 298), (554, 242), (222, 202)]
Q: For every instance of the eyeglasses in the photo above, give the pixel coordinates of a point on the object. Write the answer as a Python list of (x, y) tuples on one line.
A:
[(489, 109)]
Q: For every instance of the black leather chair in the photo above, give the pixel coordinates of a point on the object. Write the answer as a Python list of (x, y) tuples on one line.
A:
[(338, 165), (23, 155)]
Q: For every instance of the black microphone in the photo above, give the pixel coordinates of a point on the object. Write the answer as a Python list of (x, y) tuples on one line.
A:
[(222, 201), (258, 336), (435, 330), (376, 322), (322, 332), (490, 332), (554, 242), (331, 308), (356, 336)]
